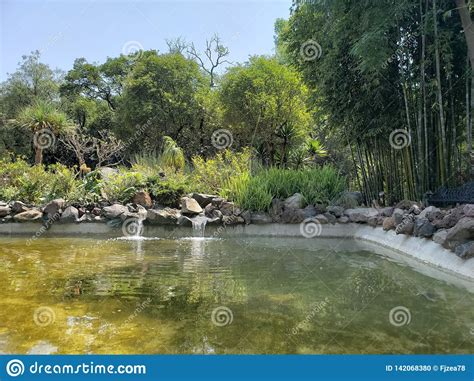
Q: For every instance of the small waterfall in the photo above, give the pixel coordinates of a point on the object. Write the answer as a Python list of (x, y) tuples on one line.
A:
[(199, 225), (141, 217)]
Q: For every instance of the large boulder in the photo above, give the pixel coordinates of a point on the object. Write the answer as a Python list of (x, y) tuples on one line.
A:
[(295, 201), (465, 251), (449, 219), (54, 207), (165, 216), (406, 226), (142, 198), (276, 209), (431, 213), (4, 210), (203, 199), (361, 214), (461, 233), (398, 215), (228, 208), (114, 211), (70, 214), (211, 211), (310, 211), (29, 215), (375, 221), (423, 228), (190, 206)]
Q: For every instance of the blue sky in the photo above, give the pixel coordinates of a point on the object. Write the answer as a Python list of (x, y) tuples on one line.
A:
[(94, 29)]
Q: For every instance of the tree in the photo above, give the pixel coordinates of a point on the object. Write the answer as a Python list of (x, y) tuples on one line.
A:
[(213, 56), (45, 121), (264, 104), (164, 93)]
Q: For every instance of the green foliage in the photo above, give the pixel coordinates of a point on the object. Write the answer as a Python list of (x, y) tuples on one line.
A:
[(317, 185), (213, 174), (265, 105), (172, 156), (121, 186), (168, 192)]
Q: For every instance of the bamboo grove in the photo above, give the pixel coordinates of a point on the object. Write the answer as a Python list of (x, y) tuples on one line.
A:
[(385, 68)]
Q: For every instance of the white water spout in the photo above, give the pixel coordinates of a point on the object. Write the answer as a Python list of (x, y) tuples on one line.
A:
[(199, 225)]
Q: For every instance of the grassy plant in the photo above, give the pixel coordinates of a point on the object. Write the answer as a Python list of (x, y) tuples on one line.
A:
[(121, 187)]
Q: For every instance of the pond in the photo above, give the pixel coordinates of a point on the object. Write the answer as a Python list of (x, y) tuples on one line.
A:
[(216, 295)]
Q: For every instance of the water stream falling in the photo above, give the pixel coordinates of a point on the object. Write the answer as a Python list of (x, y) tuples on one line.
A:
[(199, 225)]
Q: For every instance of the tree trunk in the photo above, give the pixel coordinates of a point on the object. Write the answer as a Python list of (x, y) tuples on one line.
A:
[(467, 26), (442, 123), (38, 156)]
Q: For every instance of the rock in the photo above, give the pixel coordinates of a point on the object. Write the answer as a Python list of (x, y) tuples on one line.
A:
[(321, 218), (217, 201), (228, 208), (54, 207), (450, 219), (468, 210), (211, 211), (373, 221), (86, 217), (343, 220), (429, 211), (203, 199), (406, 204), (142, 198), (260, 218), (387, 212), (276, 209), (465, 251), (98, 218), (114, 211), (70, 214), (406, 226), (310, 211), (423, 228), (190, 206), (247, 216), (389, 223), (96, 211), (4, 210), (292, 216), (360, 214), (337, 211), (440, 236), (398, 215), (232, 220), (19, 207), (330, 217), (165, 216), (29, 215), (462, 232), (295, 201)]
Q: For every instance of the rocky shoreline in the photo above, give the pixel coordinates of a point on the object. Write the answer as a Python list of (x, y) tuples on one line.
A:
[(452, 228)]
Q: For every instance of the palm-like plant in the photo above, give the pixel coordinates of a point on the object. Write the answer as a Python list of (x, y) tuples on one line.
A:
[(45, 121), (172, 155)]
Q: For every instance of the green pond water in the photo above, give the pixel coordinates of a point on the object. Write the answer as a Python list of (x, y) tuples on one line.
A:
[(246, 295)]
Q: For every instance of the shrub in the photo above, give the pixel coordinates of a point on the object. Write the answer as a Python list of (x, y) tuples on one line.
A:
[(64, 183), (212, 175), (121, 187), (168, 192), (317, 185)]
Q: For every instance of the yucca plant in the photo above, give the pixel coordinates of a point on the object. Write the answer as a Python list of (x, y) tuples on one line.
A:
[(45, 121)]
